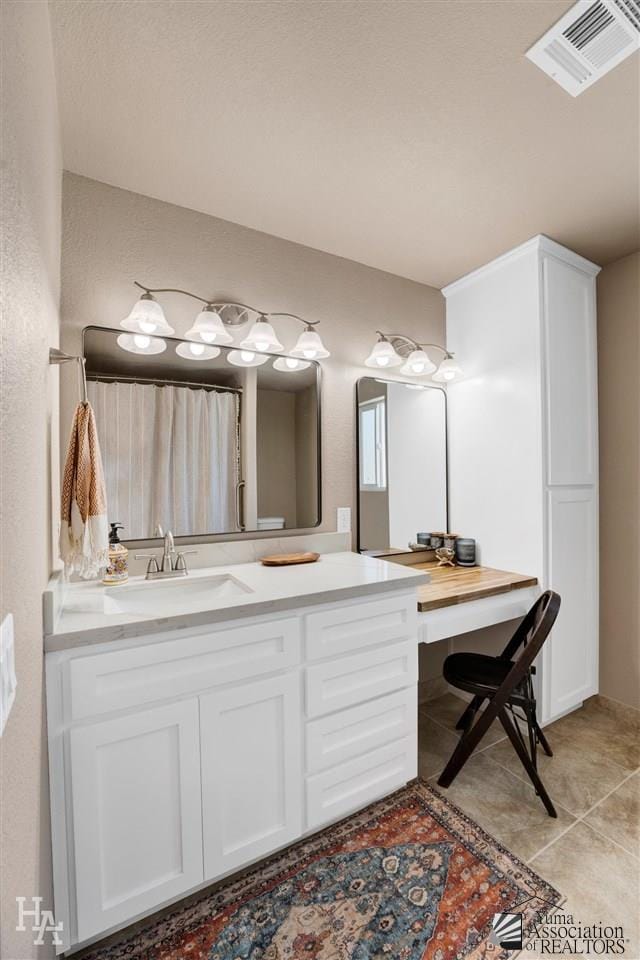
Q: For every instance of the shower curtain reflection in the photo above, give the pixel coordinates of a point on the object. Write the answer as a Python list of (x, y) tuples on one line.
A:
[(170, 455)]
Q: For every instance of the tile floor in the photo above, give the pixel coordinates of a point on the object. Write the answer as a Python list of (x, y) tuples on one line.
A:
[(591, 852)]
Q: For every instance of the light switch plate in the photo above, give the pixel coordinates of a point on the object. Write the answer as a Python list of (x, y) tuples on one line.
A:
[(344, 520), (8, 681)]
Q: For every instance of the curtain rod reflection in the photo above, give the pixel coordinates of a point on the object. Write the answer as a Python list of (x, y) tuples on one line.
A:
[(108, 378)]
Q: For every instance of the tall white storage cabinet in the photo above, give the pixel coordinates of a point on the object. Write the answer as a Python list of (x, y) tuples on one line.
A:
[(523, 441)]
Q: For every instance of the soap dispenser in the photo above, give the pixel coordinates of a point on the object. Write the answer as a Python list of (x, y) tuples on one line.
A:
[(117, 569)]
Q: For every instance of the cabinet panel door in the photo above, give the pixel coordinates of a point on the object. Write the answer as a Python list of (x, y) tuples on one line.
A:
[(137, 817), (571, 374), (570, 655), (251, 771)]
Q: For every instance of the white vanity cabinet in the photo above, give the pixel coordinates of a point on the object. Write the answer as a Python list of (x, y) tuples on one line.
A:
[(136, 812), (251, 771), (178, 758), (523, 441)]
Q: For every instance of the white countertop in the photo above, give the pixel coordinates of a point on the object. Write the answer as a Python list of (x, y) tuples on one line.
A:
[(335, 576)]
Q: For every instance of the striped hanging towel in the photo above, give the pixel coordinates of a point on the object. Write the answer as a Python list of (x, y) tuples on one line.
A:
[(84, 539)]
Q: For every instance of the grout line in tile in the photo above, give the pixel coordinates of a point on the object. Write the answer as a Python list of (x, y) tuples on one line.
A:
[(521, 776), (611, 840), (580, 819), (607, 795), (555, 840), (455, 733)]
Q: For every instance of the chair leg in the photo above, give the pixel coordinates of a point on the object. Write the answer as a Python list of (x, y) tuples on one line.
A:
[(466, 745), (526, 761), (531, 730), (466, 719), (544, 743)]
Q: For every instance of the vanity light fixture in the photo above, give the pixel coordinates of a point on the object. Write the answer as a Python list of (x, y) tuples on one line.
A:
[(246, 358), (213, 322), (262, 338), (147, 317), (309, 346), (448, 370), (290, 364), (209, 327), (393, 349), (383, 354), (193, 350), (418, 364), (141, 343)]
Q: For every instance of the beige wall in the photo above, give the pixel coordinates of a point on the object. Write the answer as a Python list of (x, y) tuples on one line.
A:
[(111, 237), (31, 177), (619, 409)]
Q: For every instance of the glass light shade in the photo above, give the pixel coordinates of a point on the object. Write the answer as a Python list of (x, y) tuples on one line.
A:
[(209, 328), (246, 358), (383, 356), (147, 317), (447, 371), (197, 351), (310, 347), (418, 364), (141, 343), (290, 364), (262, 337)]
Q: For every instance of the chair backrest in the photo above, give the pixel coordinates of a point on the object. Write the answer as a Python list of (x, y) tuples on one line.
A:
[(534, 627), (530, 635)]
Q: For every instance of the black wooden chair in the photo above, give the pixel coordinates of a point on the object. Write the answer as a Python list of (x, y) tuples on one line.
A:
[(507, 685)]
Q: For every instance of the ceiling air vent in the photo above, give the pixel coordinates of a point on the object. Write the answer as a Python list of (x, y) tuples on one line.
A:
[(587, 42)]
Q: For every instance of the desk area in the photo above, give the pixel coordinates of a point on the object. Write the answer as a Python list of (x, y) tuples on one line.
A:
[(460, 599), (453, 585)]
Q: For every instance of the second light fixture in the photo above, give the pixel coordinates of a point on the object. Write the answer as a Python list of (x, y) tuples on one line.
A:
[(415, 362)]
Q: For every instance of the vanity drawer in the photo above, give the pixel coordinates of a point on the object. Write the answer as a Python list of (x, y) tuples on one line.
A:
[(352, 785), (193, 661), (351, 680), (351, 627), (342, 736)]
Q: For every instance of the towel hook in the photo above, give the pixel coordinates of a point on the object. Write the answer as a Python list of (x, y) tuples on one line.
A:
[(58, 356)]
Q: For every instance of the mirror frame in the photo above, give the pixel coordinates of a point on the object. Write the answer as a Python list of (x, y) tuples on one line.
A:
[(426, 386), (233, 534)]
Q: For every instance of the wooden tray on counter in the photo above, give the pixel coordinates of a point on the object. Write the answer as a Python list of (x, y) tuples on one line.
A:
[(287, 559)]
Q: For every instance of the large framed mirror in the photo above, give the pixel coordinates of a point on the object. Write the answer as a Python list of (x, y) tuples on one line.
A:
[(402, 463), (202, 446)]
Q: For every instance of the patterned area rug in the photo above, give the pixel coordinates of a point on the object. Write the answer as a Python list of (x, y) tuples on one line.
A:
[(408, 878)]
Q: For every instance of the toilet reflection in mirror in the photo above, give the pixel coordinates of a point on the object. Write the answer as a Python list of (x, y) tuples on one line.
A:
[(402, 463)]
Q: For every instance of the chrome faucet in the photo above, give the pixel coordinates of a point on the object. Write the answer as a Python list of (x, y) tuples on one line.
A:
[(172, 564), (167, 555)]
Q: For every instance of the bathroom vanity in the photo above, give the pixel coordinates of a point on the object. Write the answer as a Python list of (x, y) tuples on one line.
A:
[(183, 748)]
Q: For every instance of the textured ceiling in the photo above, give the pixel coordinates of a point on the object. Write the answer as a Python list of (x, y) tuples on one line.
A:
[(410, 136)]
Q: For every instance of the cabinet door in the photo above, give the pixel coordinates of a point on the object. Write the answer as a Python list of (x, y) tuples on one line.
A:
[(251, 771), (137, 816), (570, 655), (571, 374)]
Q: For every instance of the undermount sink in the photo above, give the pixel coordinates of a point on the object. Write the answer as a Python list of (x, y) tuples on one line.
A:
[(165, 598)]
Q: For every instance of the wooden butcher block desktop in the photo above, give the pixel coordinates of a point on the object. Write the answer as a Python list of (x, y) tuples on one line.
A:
[(453, 585)]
